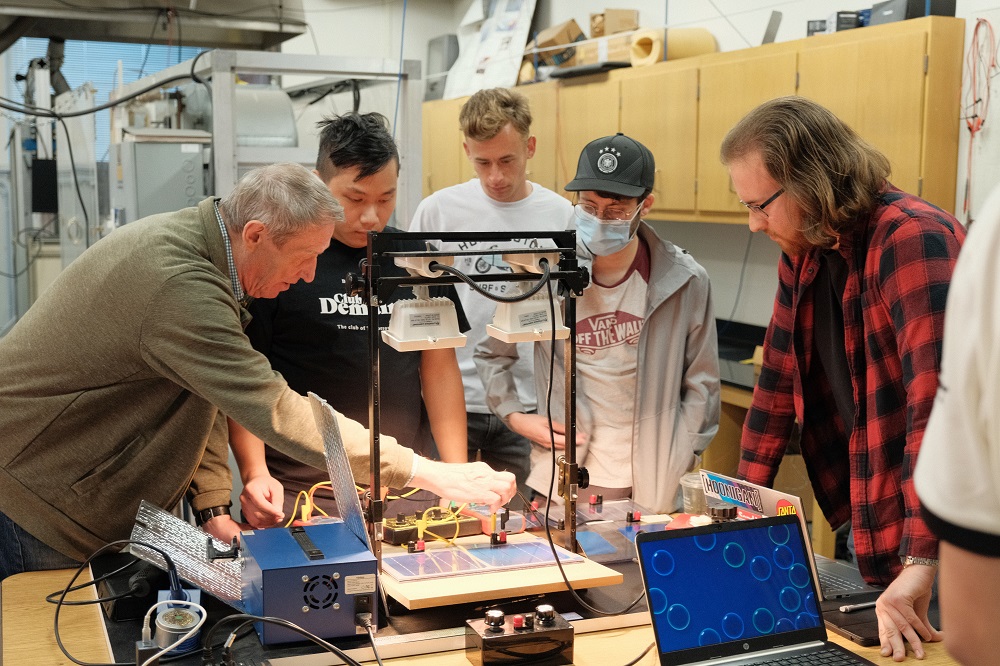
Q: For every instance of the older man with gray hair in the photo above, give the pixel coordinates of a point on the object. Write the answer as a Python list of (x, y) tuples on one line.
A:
[(118, 380)]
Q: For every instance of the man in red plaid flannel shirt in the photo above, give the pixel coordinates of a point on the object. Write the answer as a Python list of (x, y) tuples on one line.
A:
[(853, 349)]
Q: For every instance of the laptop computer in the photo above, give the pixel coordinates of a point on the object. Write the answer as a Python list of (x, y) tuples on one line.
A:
[(837, 579), (738, 592)]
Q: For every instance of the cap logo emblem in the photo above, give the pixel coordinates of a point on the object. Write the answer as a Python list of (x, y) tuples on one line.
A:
[(607, 160)]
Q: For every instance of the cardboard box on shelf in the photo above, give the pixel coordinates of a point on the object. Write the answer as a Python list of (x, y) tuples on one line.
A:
[(562, 35), (606, 49), (613, 21)]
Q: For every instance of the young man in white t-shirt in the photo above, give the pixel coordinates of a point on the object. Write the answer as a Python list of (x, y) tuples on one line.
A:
[(958, 468), (496, 124), (647, 364)]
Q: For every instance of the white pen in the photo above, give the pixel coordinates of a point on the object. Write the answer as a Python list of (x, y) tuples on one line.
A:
[(850, 608)]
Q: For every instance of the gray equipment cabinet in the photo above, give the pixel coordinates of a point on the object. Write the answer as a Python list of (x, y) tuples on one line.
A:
[(230, 160)]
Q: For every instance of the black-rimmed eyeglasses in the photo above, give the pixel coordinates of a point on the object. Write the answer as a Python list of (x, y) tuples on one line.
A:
[(759, 208)]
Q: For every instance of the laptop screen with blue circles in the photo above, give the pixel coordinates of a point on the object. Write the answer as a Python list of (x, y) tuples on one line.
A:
[(730, 588)]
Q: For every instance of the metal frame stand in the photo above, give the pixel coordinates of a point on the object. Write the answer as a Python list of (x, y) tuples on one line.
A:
[(376, 288)]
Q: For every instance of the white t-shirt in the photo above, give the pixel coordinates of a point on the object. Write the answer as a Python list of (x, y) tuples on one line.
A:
[(958, 467), (609, 321), (466, 207)]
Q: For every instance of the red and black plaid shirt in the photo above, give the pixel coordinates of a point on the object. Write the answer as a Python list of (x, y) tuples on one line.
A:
[(900, 264)]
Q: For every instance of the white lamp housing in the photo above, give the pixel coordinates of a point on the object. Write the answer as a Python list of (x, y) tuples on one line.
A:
[(531, 263), (527, 321), (423, 322)]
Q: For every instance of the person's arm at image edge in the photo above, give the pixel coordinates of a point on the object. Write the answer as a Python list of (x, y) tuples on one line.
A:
[(701, 403), (263, 496), (212, 484), (494, 362), (902, 608), (444, 398), (970, 593), (771, 417)]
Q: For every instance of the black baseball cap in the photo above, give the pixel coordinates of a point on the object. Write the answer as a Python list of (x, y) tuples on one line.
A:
[(617, 164)]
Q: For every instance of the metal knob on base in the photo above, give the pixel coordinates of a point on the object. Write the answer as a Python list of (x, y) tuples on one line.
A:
[(545, 614), (495, 620)]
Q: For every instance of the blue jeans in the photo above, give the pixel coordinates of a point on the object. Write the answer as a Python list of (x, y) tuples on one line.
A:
[(19, 551), (499, 447)]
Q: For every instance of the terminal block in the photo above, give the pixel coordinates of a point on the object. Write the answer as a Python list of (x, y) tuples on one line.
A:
[(442, 523)]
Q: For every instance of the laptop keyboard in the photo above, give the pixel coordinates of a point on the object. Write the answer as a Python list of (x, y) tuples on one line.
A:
[(829, 656), (829, 582)]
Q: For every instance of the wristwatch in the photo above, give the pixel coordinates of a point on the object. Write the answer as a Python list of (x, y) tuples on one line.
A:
[(206, 515), (926, 561)]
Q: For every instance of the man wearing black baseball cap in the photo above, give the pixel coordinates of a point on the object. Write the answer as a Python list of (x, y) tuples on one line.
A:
[(647, 352)]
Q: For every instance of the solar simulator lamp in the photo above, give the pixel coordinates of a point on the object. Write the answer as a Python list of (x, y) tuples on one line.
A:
[(532, 319), (423, 322)]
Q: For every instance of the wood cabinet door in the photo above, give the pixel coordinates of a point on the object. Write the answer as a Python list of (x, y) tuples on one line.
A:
[(543, 99), (887, 111), (728, 90), (660, 110), (443, 154), (587, 111)]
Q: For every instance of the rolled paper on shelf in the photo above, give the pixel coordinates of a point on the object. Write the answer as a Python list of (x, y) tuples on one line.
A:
[(647, 45)]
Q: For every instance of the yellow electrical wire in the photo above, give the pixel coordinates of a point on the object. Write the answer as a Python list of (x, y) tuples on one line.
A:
[(451, 514), (308, 507), (295, 508)]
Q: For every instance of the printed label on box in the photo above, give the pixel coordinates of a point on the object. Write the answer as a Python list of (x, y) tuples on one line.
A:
[(361, 584)]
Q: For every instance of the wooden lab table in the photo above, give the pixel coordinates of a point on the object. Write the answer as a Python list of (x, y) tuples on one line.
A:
[(28, 636)]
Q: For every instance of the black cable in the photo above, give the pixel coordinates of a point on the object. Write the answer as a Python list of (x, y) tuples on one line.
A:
[(739, 286), (33, 257), (194, 75), (552, 478), (198, 12), (156, 21), (62, 599), (51, 597), (371, 638), (180, 36), (30, 110), (542, 281), (76, 181), (639, 658), (247, 618)]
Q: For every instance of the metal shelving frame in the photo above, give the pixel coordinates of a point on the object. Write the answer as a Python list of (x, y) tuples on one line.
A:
[(229, 159)]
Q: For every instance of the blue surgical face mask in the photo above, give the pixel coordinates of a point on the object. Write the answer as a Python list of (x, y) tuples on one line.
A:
[(602, 237)]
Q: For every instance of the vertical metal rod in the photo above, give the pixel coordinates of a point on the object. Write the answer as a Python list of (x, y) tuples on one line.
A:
[(374, 389), (569, 356)]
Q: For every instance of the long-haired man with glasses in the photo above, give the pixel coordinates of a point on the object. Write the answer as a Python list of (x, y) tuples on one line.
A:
[(853, 349), (647, 353)]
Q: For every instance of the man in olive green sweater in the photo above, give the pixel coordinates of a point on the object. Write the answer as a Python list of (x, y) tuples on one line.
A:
[(116, 384)]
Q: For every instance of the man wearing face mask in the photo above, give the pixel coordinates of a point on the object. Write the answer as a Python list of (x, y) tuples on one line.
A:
[(647, 353)]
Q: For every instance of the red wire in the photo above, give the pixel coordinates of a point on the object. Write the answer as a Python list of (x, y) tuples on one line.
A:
[(977, 110)]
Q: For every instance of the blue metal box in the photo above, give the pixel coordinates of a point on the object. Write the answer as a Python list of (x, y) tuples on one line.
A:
[(316, 576)]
